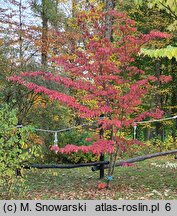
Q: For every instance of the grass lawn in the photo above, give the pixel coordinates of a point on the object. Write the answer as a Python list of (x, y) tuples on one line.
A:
[(151, 179)]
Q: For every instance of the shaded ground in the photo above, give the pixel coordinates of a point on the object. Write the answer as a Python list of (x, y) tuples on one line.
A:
[(152, 179)]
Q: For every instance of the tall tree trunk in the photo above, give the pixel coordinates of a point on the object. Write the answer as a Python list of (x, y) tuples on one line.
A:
[(20, 36), (174, 98), (44, 46), (158, 99), (110, 4)]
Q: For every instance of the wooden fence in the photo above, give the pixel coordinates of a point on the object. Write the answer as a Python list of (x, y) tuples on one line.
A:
[(100, 165)]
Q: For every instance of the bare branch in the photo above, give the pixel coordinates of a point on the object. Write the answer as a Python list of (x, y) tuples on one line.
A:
[(170, 10)]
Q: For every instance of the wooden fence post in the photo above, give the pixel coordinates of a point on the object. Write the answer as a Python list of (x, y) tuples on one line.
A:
[(101, 166), (18, 172), (101, 133)]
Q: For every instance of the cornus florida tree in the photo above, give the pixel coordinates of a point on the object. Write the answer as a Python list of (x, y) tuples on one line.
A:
[(102, 70)]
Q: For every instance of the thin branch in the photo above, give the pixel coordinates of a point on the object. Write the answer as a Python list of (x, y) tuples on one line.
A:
[(170, 10)]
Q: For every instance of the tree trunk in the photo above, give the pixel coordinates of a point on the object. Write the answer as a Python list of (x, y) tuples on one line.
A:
[(20, 36), (44, 46), (110, 4), (158, 99), (174, 98)]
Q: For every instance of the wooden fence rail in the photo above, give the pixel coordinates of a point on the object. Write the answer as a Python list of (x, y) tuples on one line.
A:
[(99, 165), (69, 166), (137, 159)]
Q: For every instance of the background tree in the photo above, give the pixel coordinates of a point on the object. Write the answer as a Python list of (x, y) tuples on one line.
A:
[(52, 20), (147, 18)]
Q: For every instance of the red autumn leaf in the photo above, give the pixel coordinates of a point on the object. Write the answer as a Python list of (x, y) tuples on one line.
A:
[(101, 186), (127, 164)]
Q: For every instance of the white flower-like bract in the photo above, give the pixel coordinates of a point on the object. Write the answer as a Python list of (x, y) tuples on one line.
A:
[(166, 165)]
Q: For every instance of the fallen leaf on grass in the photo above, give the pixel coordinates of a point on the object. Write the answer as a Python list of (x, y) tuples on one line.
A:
[(102, 186)]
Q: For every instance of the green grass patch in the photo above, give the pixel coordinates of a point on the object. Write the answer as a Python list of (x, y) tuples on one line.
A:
[(151, 179)]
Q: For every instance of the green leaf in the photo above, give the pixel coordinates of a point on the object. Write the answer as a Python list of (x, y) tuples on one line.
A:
[(168, 52)]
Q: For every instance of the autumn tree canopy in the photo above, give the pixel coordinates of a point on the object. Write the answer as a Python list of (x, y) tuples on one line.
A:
[(106, 79)]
